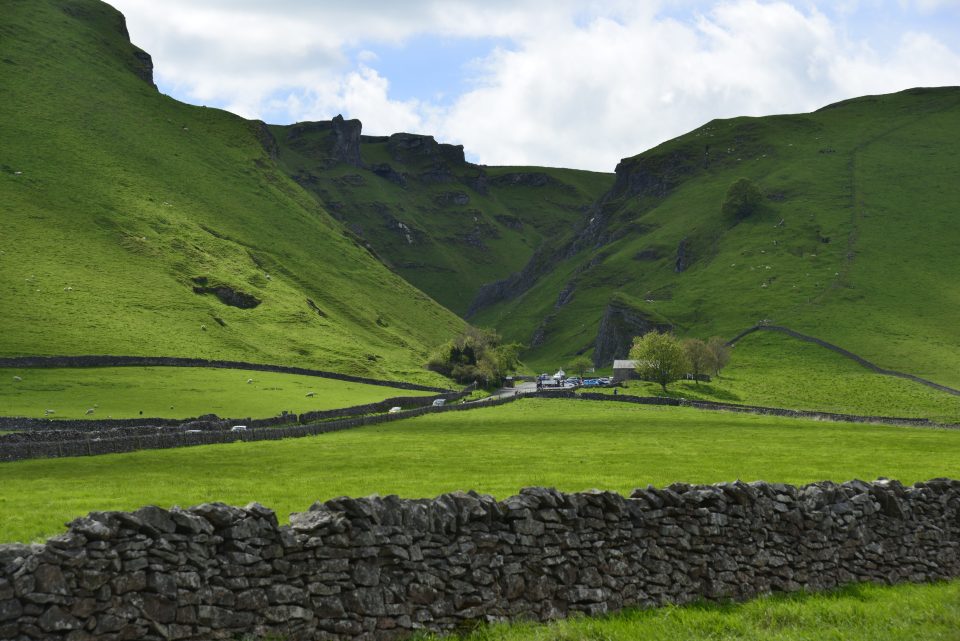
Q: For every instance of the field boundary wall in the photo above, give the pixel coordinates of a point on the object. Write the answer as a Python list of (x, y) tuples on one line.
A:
[(385, 568)]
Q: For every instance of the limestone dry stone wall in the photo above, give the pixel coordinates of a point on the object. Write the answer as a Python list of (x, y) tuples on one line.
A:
[(382, 568)]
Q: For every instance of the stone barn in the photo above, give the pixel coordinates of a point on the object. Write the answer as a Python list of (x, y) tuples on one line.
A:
[(624, 370)]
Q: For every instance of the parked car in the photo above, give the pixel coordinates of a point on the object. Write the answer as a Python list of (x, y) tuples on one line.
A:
[(238, 428), (592, 382), (394, 410), (439, 402)]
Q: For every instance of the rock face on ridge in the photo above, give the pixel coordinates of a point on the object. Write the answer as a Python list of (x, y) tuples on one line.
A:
[(338, 140), (618, 327)]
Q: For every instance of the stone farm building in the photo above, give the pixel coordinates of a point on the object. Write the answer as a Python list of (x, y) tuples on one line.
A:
[(624, 370)]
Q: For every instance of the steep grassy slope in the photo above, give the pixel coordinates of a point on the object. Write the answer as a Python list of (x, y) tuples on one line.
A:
[(853, 242), (445, 225), (119, 204)]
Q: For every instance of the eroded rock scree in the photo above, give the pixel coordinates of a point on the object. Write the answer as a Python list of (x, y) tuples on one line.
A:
[(382, 568)]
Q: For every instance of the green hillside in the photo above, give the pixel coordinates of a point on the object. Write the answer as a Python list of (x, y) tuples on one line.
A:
[(446, 225), (853, 241), (135, 224)]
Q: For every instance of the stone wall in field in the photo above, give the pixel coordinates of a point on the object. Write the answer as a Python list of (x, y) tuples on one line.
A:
[(174, 361), (57, 439), (384, 568)]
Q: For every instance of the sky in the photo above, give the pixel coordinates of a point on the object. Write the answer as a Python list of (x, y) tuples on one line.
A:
[(541, 82)]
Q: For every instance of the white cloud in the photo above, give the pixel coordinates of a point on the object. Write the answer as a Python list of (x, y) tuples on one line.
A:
[(575, 84)]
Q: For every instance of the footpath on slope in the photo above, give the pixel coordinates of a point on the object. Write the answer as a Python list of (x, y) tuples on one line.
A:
[(843, 352)]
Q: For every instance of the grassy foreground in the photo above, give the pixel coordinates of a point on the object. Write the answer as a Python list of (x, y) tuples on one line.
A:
[(855, 613), (572, 445), (176, 392)]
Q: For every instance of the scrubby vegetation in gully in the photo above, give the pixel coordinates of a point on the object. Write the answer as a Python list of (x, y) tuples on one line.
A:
[(135, 225)]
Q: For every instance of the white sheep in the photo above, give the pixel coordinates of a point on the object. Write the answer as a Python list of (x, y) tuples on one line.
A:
[(203, 328), (89, 411), (309, 394), (249, 380), (48, 412), (17, 379)]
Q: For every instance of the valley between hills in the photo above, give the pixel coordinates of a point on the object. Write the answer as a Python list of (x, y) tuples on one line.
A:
[(198, 308)]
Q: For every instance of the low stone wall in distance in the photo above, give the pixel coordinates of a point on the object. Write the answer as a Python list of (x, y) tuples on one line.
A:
[(384, 568), (50, 443)]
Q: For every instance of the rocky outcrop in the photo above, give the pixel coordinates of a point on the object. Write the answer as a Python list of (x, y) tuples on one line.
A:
[(413, 149), (265, 137), (619, 325), (142, 66), (525, 179), (683, 256), (385, 568), (330, 141), (385, 171), (226, 294)]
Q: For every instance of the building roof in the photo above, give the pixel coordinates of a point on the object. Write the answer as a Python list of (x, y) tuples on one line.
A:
[(625, 364)]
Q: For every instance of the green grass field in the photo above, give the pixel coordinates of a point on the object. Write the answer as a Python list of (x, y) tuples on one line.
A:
[(572, 445), (176, 392), (854, 613), (775, 370)]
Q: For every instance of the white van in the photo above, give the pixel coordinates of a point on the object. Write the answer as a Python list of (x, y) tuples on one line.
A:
[(394, 410), (439, 402)]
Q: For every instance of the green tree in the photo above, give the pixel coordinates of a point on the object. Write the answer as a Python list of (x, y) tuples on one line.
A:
[(719, 354), (580, 365), (660, 358), (699, 357), (475, 355), (743, 199)]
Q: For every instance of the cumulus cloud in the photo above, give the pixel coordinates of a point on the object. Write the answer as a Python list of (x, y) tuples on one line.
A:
[(572, 84)]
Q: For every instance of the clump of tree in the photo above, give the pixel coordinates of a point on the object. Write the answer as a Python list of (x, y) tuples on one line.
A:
[(743, 200), (699, 357), (719, 354), (663, 358), (580, 366), (660, 358), (476, 355)]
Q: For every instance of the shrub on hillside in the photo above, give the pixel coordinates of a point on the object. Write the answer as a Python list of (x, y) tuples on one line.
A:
[(476, 355), (743, 199)]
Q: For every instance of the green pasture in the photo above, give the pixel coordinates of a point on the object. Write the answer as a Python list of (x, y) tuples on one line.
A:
[(775, 370), (854, 613), (176, 392), (572, 445)]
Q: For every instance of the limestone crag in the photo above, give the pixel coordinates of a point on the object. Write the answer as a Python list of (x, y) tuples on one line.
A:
[(386, 568), (618, 327), (336, 140)]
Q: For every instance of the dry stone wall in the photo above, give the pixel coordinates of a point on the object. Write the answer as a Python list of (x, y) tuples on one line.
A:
[(383, 568), (51, 443)]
